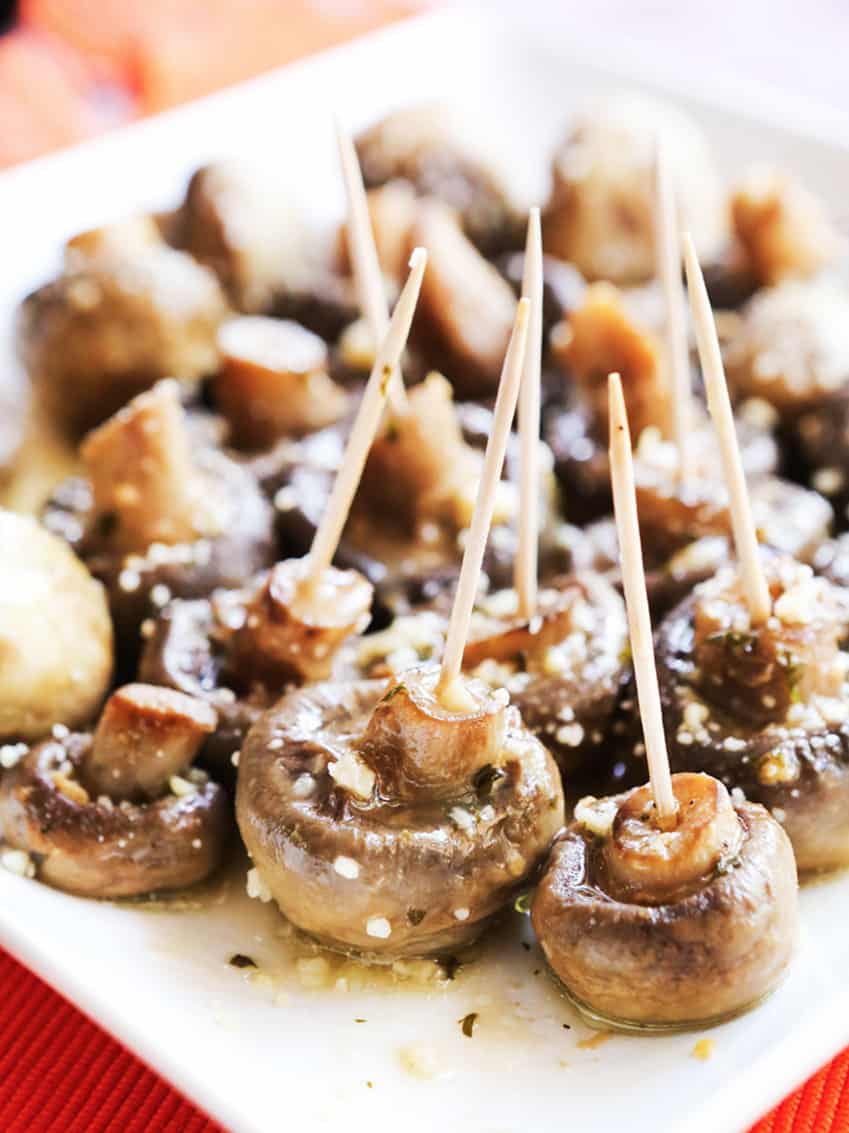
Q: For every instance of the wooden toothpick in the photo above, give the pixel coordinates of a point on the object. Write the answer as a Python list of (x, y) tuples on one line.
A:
[(637, 603), (467, 585), (668, 246), (526, 566), (333, 521), (719, 405), (362, 250)]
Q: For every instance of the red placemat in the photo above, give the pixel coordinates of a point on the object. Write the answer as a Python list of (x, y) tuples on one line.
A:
[(59, 1073)]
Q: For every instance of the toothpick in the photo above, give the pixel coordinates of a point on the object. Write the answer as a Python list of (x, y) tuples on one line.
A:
[(467, 585), (637, 602), (668, 247), (364, 259), (368, 417), (719, 404), (526, 565)]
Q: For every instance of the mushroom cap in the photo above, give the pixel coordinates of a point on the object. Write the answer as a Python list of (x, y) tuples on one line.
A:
[(708, 955), (55, 633), (797, 765), (374, 874), (601, 212), (96, 848), (139, 584), (111, 327)]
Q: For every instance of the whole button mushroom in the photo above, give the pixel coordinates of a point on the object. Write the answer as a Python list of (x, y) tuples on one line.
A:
[(55, 633), (158, 517), (763, 707), (120, 813), (126, 312), (383, 823), (668, 928)]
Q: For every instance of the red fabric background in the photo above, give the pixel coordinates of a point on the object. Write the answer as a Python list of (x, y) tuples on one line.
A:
[(59, 1073)]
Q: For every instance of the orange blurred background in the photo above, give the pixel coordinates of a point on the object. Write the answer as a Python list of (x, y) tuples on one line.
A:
[(72, 68)]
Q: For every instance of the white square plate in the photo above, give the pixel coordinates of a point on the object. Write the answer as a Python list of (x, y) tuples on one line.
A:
[(255, 1048)]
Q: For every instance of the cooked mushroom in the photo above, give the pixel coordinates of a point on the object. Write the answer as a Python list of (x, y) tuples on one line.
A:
[(655, 929), (120, 813), (564, 668), (124, 314), (602, 337), (424, 146), (274, 381), (783, 228), (600, 215), (55, 633), (240, 649), (764, 707), (466, 306), (157, 519), (385, 824), (791, 346)]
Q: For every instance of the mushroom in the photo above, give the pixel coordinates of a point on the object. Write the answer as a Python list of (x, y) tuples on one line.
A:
[(55, 633), (763, 706), (466, 307), (657, 929), (791, 347), (383, 823), (602, 337), (600, 215), (241, 649), (564, 667), (156, 519), (783, 228), (426, 147), (125, 312), (121, 812), (255, 241), (274, 381)]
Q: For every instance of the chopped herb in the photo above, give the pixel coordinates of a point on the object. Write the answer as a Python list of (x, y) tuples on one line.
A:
[(359, 1020), (567, 1026), (416, 916), (393, 692), (485, 779), (467, 1023), (238, 960)]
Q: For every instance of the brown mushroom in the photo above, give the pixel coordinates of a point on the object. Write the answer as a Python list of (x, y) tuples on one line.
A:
[(424, 146), (600, 215), (124, 314), (141, 833), (385, 825), (783, 228), (466, 307), (661, 929), (764, 707), (241, 649), (274, 381), (158, 518)]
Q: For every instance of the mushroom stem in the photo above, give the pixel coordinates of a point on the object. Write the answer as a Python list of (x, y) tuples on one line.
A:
[(467, 585), (330, 529), (362, 250), (146, 734), (142, 475), (668, 251), (525, 567), (719, 405), (637, 603)]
